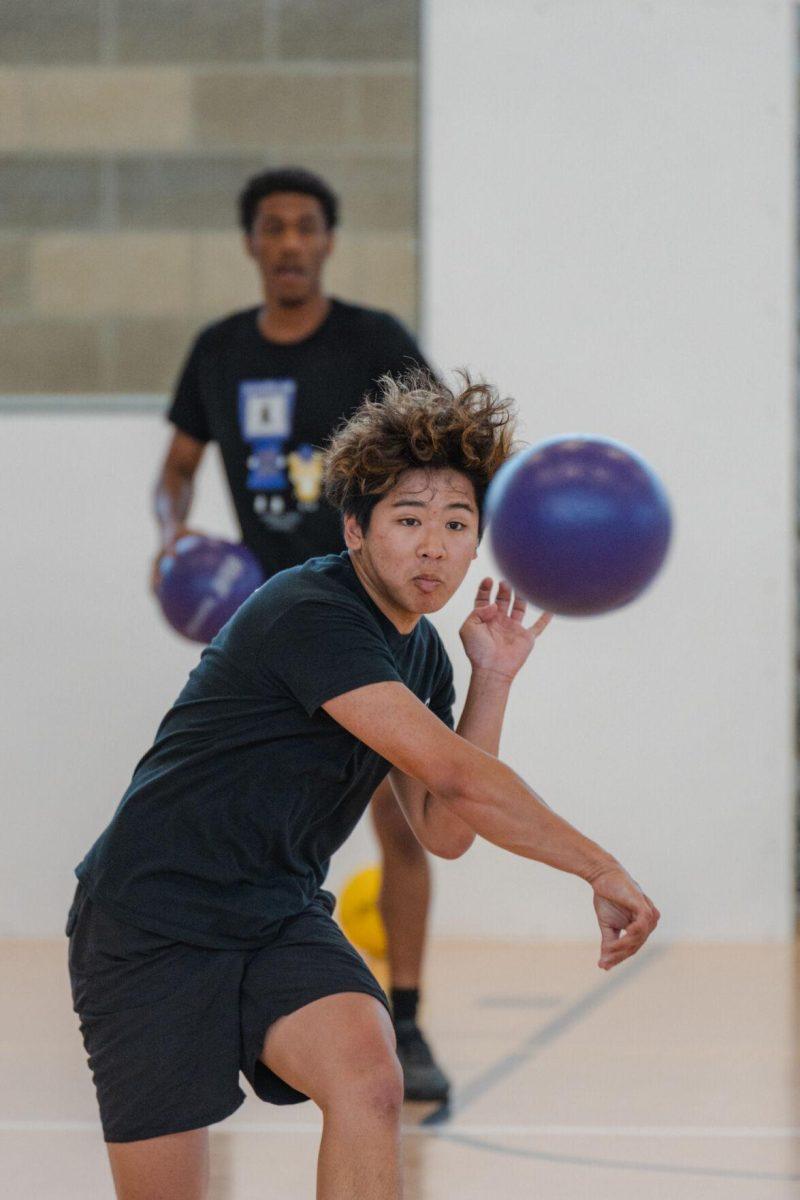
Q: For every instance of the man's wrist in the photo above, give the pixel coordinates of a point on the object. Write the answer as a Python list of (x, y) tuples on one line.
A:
[(599, 864), (487, 677), (171, 531)]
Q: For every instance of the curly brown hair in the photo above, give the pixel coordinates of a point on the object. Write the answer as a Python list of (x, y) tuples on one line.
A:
[(417, 423)]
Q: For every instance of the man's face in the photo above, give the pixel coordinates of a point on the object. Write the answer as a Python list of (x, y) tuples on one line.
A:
[(422, 536), (290, 242)]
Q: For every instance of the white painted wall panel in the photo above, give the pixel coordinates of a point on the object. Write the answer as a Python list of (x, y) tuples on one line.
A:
[(607, 219)]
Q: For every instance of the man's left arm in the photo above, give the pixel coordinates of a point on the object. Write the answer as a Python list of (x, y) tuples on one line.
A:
[(497, 644)]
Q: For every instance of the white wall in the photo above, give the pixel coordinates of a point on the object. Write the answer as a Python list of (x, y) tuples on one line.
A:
[(607, 218)]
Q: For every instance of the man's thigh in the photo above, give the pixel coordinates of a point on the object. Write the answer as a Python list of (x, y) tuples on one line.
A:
[(175, 1165), (311, 961), (326, 1046)]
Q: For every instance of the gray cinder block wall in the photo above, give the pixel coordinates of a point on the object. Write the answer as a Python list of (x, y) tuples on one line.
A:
[(127, 129)]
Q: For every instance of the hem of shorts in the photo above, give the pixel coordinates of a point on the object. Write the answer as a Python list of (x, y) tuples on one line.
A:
[(377, 993), (180, 1127)]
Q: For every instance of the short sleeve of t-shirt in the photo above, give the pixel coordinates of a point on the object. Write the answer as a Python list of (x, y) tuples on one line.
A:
[(186, 411), (319, 649), (398, 351)]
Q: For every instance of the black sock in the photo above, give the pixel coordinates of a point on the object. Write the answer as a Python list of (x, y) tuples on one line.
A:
[(404, 1003)]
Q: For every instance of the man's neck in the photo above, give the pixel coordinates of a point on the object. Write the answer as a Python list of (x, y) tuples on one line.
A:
[(293, 322)]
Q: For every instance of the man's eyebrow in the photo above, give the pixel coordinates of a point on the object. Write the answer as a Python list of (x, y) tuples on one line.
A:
[(399, 503)]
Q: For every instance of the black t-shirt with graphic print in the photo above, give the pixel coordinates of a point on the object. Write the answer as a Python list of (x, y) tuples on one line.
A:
[(271, 407), (231, 817)]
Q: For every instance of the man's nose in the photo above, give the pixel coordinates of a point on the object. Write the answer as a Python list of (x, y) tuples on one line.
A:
[(431, 544), (291, 239)]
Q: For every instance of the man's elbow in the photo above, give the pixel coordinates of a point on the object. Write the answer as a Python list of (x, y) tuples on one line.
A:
[(452, 837), (451, 781), (455, 846)]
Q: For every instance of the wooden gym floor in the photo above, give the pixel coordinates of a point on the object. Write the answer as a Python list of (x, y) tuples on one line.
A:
[(676, 1077)]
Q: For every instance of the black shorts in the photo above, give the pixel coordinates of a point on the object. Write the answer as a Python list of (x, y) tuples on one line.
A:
[(168, 1026)]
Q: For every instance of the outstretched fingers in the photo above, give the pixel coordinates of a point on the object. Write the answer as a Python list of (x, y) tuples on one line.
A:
[(503, 597), (541, 624), (510, 603), (518, 607), (484, 593)]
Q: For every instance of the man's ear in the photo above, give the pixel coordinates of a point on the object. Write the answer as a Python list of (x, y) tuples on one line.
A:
[(353, 537)]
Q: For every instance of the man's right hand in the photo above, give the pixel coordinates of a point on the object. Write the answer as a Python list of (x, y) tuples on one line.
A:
[(625, 915), (168, 551)]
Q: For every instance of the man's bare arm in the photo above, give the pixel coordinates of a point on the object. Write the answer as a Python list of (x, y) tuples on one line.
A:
[(437, 827), (174, 491), (471, 784), (491, 799), (174, 488), (497, 644)]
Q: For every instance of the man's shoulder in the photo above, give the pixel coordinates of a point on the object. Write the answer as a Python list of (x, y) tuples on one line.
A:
[(303, 602), (374, 321), (221, 332), (318, 581)]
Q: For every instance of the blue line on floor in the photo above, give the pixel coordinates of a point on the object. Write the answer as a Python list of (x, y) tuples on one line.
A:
[(477, 1143), (545, 1036)]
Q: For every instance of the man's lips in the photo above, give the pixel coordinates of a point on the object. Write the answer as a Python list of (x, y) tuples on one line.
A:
[(427, 583)]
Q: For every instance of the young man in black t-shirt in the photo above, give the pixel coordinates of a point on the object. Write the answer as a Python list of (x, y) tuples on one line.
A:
[(201, 941), (269, 385)]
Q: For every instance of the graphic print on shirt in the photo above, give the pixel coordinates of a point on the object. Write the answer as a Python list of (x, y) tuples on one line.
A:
[(266, 422), (305, 472), (266, 412)]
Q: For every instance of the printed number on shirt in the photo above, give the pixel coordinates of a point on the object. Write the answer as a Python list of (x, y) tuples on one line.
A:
[(267, 408)]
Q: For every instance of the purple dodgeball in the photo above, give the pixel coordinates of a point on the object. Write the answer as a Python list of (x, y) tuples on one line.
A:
[(579, 525), (205, 582)]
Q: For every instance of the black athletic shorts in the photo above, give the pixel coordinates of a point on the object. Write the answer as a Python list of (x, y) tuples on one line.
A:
[(168, 1026)]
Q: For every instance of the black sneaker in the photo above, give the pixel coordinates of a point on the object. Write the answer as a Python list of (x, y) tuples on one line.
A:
[(422, 1076)]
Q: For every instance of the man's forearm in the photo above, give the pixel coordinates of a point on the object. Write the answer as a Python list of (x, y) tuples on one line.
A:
[(481, 724), (484, 709), (500, 807), (497, 804), (173, 499)]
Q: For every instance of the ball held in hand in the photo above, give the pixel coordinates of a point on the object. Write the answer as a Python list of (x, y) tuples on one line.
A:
[(203, 582)]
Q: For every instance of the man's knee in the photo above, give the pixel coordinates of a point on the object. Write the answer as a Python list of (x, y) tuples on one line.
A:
[(372, 1095)]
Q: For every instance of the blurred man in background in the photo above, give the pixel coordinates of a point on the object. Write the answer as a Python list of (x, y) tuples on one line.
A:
[(269, 385)]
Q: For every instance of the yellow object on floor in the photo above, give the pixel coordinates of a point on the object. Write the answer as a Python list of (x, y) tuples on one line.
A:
[(358, 912)]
